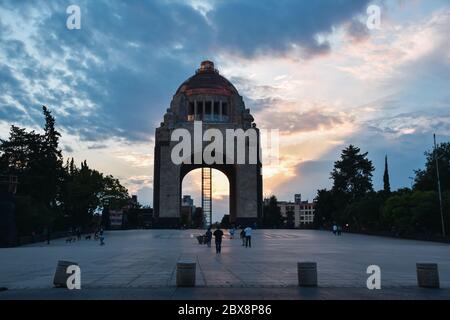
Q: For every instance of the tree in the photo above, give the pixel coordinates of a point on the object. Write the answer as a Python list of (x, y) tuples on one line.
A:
[(426, 178), (365, 214), (225, 223), (290, 220), (416, 212), (50, 195), (272, 214), (325, 208), (386, 183), (352, 174)]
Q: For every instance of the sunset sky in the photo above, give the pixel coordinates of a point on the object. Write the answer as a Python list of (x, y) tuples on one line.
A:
[(311, 69)]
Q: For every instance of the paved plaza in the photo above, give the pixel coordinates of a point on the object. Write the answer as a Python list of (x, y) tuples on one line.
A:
[(146, 259)]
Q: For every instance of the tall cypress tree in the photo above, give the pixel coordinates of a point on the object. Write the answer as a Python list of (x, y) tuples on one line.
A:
[(387, 185)]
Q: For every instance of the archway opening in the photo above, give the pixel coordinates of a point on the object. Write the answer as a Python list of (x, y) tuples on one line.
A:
[(191, 195)]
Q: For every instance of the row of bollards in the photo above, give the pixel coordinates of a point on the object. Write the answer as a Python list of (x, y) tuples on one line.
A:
[(427, 274)]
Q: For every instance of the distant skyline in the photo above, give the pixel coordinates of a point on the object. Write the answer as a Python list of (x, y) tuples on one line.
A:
[(311, 69)]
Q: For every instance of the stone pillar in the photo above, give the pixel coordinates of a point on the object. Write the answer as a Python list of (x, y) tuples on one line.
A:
[(61, 275), (186, 273), (427, 275), (307, 274), (195, 110)]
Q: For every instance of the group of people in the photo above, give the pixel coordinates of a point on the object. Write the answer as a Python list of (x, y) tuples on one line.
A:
[(246, 236), (337, 230)]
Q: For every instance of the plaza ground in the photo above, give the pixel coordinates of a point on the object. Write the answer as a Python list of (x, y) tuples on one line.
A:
[(141, 264)]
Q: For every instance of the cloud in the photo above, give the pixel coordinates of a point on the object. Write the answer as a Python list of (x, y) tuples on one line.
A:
[(295, 120), (275, 27), (97, 146), (115, 76)]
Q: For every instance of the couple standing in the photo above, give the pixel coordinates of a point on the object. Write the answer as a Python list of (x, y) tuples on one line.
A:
[(246, 236)]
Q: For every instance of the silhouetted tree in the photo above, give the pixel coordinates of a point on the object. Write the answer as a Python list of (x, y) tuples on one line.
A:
[(325, 209), (272, 214), (225, 223), (352, 174), (50, 195), (290, 220)]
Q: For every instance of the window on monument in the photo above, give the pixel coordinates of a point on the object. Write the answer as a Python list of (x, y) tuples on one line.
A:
[(224, 111), (208, 113), (216, 111), (191, 110), (199, 115)]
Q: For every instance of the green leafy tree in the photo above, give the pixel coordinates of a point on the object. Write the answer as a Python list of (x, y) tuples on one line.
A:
[(52, 196), (365, 214), (426, 179), (416, 212)]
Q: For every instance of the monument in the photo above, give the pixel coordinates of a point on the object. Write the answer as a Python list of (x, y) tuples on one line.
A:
[(212, 99)]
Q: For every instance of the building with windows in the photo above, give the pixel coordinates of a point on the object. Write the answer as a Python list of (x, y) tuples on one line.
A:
[(302, 211)]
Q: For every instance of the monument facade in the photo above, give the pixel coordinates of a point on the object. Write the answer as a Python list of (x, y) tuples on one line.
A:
[(212, 99)]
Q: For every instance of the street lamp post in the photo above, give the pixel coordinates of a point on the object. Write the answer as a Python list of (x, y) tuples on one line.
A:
[(439, 186)]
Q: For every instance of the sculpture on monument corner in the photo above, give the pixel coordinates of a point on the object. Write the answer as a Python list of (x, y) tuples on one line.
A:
[(208, 97)]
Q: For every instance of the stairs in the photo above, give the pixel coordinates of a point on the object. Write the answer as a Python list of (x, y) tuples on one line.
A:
[(207, 196)]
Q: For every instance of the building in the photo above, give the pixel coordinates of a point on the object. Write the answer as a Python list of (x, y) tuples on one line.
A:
[(303, 211), (187, 201), (187, 210), (212, 99)]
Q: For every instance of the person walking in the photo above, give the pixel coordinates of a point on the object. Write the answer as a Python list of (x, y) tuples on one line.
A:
[(339, 230), (218, 234), (232, 233), (248, 237), (47, 235), (242, 234), (208, 237), (335, 229)]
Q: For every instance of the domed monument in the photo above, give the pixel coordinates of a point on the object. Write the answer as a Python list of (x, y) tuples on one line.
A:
[(209, 108)]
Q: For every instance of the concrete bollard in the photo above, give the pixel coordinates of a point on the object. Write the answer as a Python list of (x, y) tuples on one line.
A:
[(186, 273), (307, 274), (427, 275), (60, 279)]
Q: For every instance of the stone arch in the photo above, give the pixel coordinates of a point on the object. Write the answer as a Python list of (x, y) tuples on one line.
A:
[(228, 170)]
